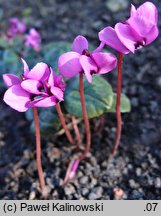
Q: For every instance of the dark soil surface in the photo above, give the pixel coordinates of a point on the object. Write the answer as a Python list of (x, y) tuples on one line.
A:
[(136, 168)]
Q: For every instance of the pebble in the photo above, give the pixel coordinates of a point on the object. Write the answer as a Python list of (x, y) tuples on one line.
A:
[(53, 153), (158, 83), (133, 184), (46, 191), (136, 195), (84, 180), (157, 182), (96, 193), (116, 5), (118, 193), (85, 191), (138, 171), (69, 189), (32, 195)]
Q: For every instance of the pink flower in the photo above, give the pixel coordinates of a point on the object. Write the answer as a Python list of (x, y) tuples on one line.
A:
[(33, 39), (15, 27), (38, 87), (80, 60), (138, 31)]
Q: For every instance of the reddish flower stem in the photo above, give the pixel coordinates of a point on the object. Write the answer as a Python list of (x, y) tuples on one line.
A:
[(85, 117), (77, 133), (62, 120), (38, 148), (118, 102)]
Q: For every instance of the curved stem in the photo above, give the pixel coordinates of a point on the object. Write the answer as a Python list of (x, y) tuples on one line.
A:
[(38, 148), (118, 102), (62, 120), (85, 117), (77, 133)]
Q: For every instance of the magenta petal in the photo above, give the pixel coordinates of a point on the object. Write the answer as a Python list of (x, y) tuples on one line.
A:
[(88, 66), (109, 37), (51, 77), (149, 11), (143, 27), (58, 93), (80, 43), (133, 10), (105, 62), (152, 35), (17, 98), (40, 72), (127, 36), (32, 86), (59, 82), (26, 68), (43, 102), (69, 65), (10, 79)]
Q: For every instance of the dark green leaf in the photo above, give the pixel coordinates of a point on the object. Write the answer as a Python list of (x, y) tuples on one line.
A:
[(48, 120), (98, 96), (52, 51), (125, 104)]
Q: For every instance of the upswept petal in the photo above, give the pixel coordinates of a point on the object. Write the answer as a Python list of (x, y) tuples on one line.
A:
[(127, 36), (100, 47), (68, 64), (88, 66), (141, 26), (149, 11), (51, 77), (152, 35), (32, 86), (80, 43), (133, 10), (10, 79), (108, 36), (58, 93), (105, 61), (60, 83), (43, 102), (16, 97), (40, 72), (26, 68)]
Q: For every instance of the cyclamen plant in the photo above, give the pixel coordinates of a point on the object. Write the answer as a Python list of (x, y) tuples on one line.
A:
[(133, 34), (18, 28), (41, 87)]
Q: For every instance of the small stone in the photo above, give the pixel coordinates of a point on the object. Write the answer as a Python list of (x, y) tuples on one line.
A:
[(136, 195), (32, 195), (93, 182), (157, 182), (1, 135), (118, 193), (53, 153), (84, 180), (104, 164), (69, 189), (85, 191), (135, 102), (116, 5), (138, 171), (49, 182), (97, 25), (158, 82), (46, 191), (2, 143), (96, 193), (133, 184)]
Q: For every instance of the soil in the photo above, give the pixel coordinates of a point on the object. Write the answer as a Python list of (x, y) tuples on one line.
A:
[(135, 171)]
